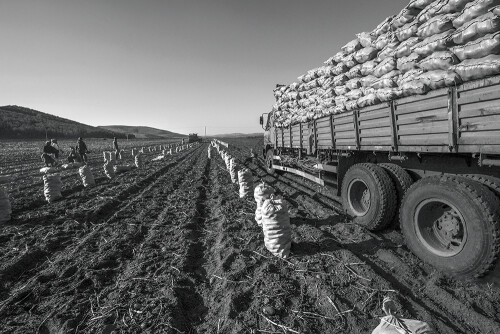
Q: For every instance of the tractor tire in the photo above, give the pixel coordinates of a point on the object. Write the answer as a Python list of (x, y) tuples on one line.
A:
[(452, 223), (368, 194)]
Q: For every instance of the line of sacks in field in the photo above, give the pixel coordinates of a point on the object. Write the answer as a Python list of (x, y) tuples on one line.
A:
[(52, 183), (428, 45), (271, 212), (272, 215)]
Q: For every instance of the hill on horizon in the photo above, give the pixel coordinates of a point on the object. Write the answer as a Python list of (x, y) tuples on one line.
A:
[(18, 122), (142, 132), (238, 135)]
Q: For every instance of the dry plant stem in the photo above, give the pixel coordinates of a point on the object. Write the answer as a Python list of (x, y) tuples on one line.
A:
[(280, 326)]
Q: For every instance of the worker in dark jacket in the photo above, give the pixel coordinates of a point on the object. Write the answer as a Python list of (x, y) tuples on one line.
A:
[(115, 147), (81, 148), (48, 149), (73, 156)]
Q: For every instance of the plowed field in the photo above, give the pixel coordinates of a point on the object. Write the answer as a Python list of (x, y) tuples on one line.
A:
[(171, 248)]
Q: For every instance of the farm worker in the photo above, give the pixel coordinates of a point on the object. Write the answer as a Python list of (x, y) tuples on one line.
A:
[(53, 143), (115, 147), (48, 149), (73, 157), (82, 149)]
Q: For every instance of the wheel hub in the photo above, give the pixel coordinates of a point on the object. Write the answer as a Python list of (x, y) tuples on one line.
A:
[(359, 197), (440, 227)]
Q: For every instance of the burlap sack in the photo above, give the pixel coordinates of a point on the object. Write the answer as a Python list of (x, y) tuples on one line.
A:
[(365, 54), (339, 56), (5, 207), (340, 101), (354, 94), (340, 90), (52, 187), (368, 80), (414, 87), (276, 227), (351, 105), (405, 16), (365, 39), (368, 67), (384, 39), (108, 170), (393, 325), (474, 9), (340, 79), (479, 48), (352, 46), (233, 170), (384, 83), (439, 42), (138, 161), (87, 177), (368, 100), (388, 51), (479, 27), (404, 49), (48, 170), (245, 180), (407, 31), (354, 72), (419, 4), (353, 84), (349, 60), (436, 25), (471, 69), (441, 60), (439, 79), (410, 62), (388, 94), (409, 76), (453, 6), (385, 66), (383, 27), (430, 11)]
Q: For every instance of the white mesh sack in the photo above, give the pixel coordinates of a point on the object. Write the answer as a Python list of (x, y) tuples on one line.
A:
[(138, 161), (108, 170), (245, 179), (276, 227), (5, 207), (261, 193), (87, 177), (52, 187), (233, 170)]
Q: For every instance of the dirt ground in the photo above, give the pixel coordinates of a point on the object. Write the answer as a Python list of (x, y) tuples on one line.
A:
[(171, 248)]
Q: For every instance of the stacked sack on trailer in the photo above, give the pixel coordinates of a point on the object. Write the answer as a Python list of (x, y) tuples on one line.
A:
[(428, 45)]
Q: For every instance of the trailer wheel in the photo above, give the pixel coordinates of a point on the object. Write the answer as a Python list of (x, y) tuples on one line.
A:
[(452, 223), (368, 195), (269, 162), (401, 179)]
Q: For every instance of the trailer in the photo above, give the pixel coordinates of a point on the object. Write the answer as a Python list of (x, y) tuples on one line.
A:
[(431, 162)]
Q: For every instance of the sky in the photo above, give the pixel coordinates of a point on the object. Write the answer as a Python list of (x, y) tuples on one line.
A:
[(175, 65)]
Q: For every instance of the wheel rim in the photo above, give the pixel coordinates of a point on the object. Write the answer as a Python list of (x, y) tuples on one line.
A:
[(359, 197), (441, 227)]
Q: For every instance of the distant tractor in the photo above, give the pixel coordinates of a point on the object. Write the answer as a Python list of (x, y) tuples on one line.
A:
[(193, 137)]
